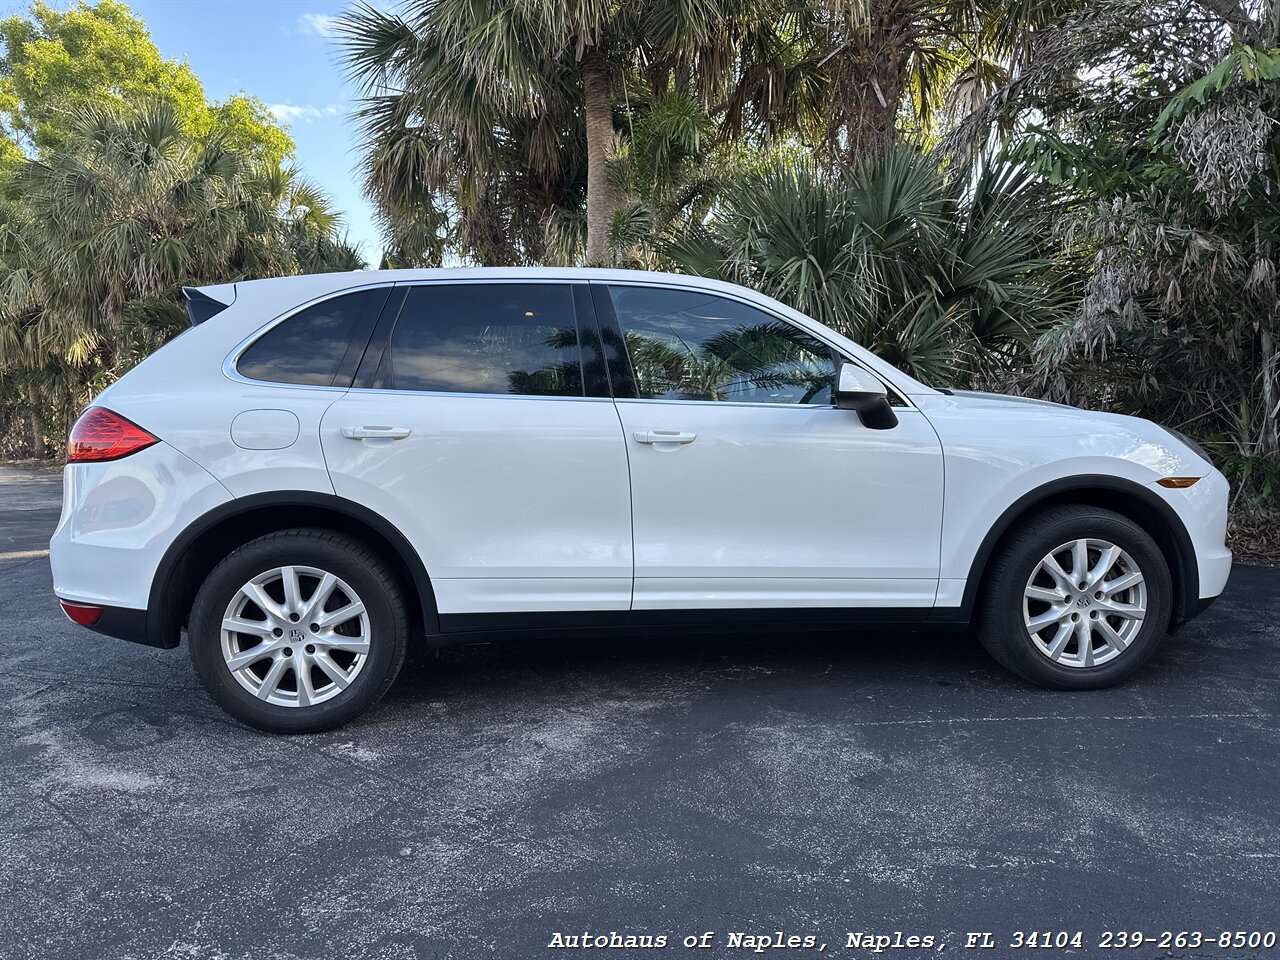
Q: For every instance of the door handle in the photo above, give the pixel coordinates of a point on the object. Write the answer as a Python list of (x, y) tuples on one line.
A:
[(664, 436), (375, 433)]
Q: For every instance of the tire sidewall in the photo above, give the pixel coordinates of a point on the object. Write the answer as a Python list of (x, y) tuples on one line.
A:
[(1005, 616), (204, 634)]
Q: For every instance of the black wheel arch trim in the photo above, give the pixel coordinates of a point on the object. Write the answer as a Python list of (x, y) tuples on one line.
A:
[(1186, 570), (161, 631)]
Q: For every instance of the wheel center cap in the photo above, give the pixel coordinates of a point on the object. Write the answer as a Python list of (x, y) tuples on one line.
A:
[(296, 635), (1082, 601)]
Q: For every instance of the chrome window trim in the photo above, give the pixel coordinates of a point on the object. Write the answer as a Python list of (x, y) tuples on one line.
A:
[(472, 396), (748, 403)]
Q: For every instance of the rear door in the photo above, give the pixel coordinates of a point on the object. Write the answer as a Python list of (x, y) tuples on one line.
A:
[(481, 425), (749, 488)]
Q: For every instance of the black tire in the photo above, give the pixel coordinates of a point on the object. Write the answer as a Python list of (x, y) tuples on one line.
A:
[(1001, 625), (348, 560)]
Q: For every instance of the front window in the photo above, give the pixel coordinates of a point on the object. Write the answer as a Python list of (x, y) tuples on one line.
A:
[(689, 345)]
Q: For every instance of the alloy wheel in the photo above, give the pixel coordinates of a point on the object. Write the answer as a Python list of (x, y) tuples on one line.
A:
[(1084, 603), (295, 636)]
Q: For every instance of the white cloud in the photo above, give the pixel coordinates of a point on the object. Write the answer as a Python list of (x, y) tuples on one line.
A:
[(303, 112), (319, 24)]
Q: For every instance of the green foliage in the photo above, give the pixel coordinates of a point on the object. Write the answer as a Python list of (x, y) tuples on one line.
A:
[(1171, 181), (1257, 477), (58, 62), (100, 236), (950, 280), (671, 136), (122, 183), (1242, 65)]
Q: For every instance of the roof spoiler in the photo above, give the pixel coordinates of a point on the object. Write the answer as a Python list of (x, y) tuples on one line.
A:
[(204, 303)]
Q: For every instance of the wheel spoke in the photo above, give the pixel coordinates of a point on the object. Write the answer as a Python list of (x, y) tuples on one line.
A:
[(1121, 583), (1054, 569), (1053, 615), (306, 691), (1127, 610), (320, 596), (1079, 560), (1051, 597), (1111, 635), (1106, 560), (328, 621), (1060, 640), (1084, 636), (331, 669), (250, 656), (264, 601), (292, 589), (350, 644), (256, 628), (272, 680)]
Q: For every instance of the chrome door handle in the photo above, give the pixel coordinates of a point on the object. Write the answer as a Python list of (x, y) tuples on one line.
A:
[(375, 433), (664, 436)]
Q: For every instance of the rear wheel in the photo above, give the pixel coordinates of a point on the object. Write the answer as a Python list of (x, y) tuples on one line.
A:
[(1077, 599), (298, 631)]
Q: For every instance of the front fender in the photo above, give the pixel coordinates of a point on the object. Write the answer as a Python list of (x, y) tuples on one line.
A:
[(1006, 459)]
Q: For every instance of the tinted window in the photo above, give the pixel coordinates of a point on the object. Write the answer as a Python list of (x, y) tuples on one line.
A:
[(309, 347), (486, 338), (687, 345)]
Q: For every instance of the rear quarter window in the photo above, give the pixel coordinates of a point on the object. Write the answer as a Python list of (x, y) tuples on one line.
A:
[(309, 347)]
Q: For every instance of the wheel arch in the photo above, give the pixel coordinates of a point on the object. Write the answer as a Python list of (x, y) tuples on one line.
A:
[(214, 534), (1124, 497)]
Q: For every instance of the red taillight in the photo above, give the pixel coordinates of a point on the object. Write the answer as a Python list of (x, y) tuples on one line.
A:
[(100, 434), (81, 613)]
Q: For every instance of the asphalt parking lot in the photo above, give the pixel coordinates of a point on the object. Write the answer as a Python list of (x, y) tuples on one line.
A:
[(810, 784)]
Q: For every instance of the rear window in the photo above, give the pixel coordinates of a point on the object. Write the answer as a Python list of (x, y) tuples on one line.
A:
[(310, 346), (514, 338)]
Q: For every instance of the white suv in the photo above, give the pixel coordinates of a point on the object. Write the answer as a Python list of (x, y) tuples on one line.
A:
[(324, 466)]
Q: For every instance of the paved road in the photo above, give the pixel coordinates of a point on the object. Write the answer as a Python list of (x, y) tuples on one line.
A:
[(808, 784)]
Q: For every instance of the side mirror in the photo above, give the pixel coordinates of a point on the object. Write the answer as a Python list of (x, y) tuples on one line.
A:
[(859, 391)]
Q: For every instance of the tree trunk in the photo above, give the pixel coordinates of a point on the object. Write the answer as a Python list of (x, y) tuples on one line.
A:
[(876, 59), (603, 200), (37, 434)]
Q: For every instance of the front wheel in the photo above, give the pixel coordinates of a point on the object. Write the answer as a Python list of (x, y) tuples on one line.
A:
[(1078, 598), (298, 631)]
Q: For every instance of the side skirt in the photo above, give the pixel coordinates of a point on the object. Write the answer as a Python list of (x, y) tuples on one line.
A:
[(458, 628)]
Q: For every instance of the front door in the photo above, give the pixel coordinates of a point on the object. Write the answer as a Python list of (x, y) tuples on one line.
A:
[(749, 489), (483, 430)]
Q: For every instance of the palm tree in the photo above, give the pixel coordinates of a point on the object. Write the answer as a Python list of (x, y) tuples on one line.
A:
[(510, 105), (949, 279), (878, 63), (99, 238)]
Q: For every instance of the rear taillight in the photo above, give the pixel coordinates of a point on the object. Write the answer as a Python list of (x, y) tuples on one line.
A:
[(82, 613), (100, 435)]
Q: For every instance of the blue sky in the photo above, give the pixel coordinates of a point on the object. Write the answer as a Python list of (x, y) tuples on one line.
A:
[(283, 53)]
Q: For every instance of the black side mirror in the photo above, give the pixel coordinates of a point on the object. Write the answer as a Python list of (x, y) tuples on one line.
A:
[(858, 390)]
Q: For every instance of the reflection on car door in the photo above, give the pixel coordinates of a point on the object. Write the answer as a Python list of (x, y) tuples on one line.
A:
[(749, 489)]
